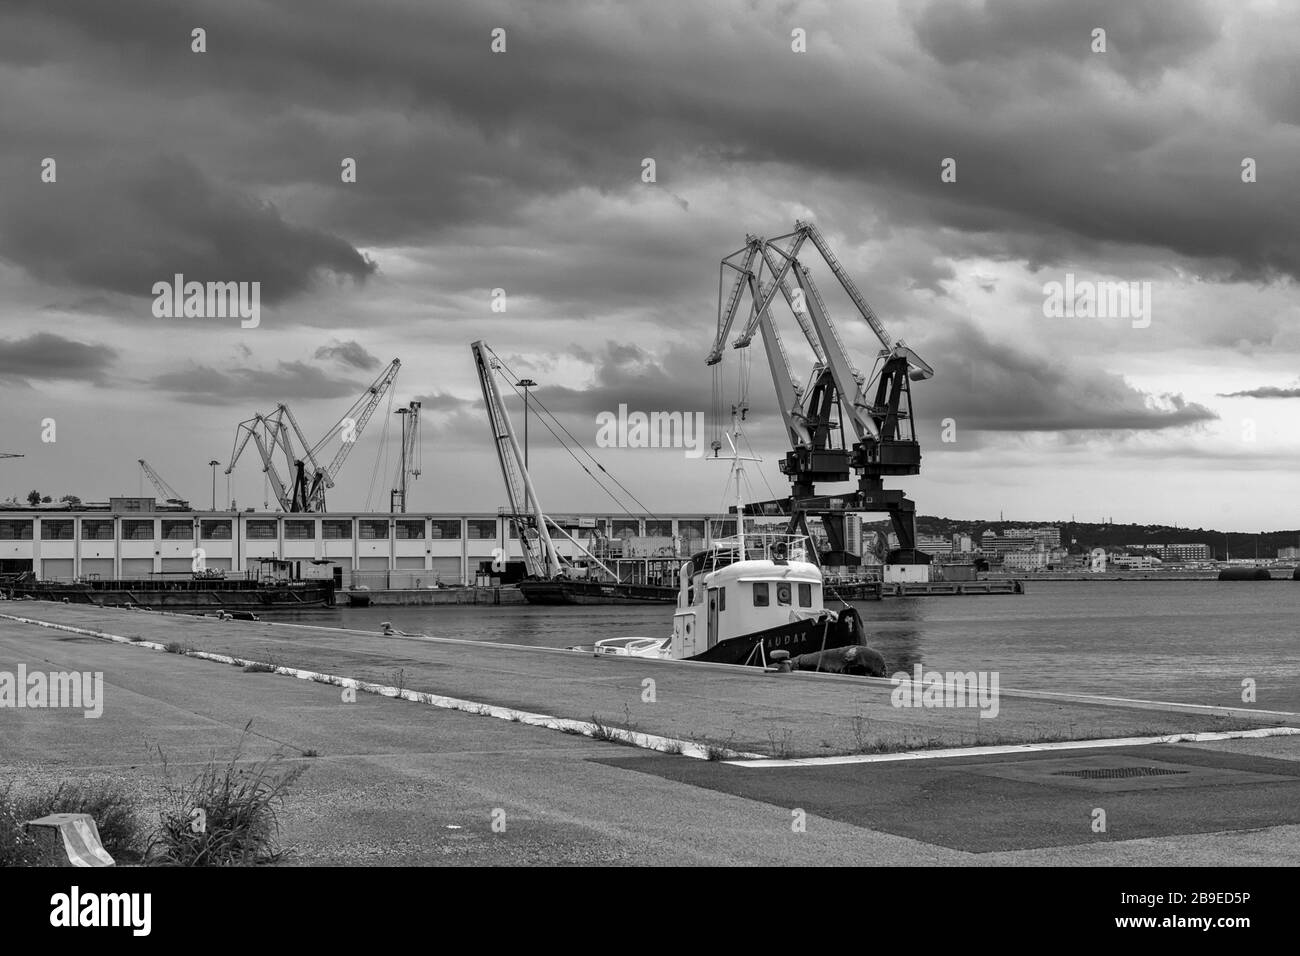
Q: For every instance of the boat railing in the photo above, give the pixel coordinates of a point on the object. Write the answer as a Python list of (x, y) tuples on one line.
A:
[(756, 546)]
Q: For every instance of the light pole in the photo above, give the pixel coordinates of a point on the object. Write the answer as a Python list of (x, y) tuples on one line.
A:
[(214, 464), (525, 384)]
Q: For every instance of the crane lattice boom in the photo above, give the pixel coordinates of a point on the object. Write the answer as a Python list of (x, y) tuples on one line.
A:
[(277, 431)]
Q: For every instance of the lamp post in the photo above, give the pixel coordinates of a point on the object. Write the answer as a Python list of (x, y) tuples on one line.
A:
[(526, 384), (213, 463)]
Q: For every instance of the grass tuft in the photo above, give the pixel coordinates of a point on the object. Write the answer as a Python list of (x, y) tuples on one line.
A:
[(227, 815)]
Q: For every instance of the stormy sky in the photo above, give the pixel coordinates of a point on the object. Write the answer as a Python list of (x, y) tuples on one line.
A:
[(522, 170)]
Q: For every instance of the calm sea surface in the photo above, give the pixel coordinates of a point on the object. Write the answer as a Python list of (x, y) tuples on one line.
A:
[(1189, 641)]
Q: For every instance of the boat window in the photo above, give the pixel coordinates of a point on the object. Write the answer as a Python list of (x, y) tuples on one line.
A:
[(783, 594), (805, 595), (761, 598)]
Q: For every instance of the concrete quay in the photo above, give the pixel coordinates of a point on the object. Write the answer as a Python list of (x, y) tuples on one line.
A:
[(401, 782)]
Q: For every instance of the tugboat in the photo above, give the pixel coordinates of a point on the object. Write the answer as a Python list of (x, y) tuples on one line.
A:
[(756, 599)]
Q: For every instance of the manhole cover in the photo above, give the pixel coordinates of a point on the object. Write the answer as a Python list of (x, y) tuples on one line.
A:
[(1112, 773)]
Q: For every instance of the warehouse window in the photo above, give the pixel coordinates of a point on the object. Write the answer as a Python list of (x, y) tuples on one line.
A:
[(56, 530), (444, 529), (297, 530), (370, 530), (693, 530), (214, 530), (134, 529), (15, 531), (261, 529), (483, 528), (409, 529), (177, 530), (336, 529), (625, 528), (94, 530), (659, 529)]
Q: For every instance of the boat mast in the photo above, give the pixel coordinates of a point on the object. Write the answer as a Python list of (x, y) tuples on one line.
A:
[(737, 472)]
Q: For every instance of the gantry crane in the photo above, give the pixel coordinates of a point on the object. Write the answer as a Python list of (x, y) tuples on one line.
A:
[(168, 493), (877, 408), (308, 480)]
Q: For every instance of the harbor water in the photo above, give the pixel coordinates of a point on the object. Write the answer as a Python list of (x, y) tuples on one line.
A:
[(1184, 641)]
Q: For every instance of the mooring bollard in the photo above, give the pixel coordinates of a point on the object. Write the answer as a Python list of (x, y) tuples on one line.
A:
[(782, 661), (70, 839)]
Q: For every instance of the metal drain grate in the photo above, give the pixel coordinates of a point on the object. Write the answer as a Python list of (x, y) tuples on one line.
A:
[(1112, 773)]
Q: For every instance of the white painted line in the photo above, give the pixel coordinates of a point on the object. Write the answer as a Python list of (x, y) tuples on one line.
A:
[(585, 728), (998, 750)]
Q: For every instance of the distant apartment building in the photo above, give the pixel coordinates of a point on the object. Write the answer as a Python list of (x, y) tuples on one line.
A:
[(1044, 538), (1025, 560), (935, 544), (993, 544), (1185, 552), (1134, 562), (1288, 554)]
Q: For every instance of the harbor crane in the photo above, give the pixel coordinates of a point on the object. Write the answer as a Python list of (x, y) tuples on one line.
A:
[(409, 463), (165, 491), (880, 438), (279, 431), (541, 558)]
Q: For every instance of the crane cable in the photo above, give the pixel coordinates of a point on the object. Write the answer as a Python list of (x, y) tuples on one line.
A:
[(549, 414), (383, 446)]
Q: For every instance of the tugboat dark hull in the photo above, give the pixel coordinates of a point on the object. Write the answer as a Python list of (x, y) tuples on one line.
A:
[(797, 638)]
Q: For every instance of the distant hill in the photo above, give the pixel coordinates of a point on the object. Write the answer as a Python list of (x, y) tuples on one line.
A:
[(1081, 536)]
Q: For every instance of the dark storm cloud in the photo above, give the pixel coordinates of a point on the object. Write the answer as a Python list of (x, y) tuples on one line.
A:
[(46, 356), (1142, 39), (284, 383), (122, 227), (1264, 391), (1051, 155), (348, 353), (998, 386), (993, 387)]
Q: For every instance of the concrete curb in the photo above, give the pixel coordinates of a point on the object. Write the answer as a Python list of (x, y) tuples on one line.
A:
[(765, 763)]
